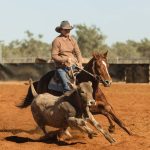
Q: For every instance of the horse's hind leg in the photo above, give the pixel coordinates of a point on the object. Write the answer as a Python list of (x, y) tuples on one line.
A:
[(111, 128), (109, 113), (120, 123)]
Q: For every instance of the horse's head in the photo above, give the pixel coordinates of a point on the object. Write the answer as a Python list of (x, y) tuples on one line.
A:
[(100, 68)]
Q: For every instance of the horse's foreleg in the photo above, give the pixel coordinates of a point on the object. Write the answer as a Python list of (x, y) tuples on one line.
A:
[(101, 109), (111, 128)]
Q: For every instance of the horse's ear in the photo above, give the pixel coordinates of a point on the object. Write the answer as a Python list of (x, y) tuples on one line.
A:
[(94, 55), (105, 54)]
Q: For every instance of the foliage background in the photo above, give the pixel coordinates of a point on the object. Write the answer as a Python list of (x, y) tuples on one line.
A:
[(89, 38)]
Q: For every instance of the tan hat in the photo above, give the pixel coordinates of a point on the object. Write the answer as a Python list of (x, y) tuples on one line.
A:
[(64, 25)]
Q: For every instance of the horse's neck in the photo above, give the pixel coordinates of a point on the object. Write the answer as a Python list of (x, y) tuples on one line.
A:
[(95, 86), (83, 76), (98, 95)]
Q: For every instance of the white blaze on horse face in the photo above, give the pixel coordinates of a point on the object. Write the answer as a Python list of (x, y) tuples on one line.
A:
[(104, 63)]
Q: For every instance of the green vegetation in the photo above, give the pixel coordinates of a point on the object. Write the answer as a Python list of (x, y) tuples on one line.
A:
[(89, 39), (29, 47)]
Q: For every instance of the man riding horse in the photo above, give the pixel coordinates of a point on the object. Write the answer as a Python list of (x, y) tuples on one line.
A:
[(66, 53)]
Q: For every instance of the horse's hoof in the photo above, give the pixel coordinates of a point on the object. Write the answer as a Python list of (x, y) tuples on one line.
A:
[(92, 135), (111, 129)]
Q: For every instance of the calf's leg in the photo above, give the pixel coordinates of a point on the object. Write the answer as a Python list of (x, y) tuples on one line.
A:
[(62, 132), (80, 124)]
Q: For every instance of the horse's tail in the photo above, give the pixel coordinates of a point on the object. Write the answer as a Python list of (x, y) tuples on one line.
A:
[(29, 97)]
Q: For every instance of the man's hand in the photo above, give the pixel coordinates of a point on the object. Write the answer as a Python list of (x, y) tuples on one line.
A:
[(68, 62), (80, 65)]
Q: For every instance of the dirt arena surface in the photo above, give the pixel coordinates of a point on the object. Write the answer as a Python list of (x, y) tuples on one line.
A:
[(131, 103)]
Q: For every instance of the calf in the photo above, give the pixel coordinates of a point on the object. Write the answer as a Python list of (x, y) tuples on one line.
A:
[(66, 111)]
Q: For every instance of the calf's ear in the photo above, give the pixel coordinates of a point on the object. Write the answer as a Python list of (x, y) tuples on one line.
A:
[(90, 83)]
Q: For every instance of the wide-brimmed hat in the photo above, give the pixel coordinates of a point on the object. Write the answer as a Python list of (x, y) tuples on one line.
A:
[(64, 25)]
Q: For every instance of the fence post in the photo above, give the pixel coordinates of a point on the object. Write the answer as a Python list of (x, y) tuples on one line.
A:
[(1, 57), (149, 72)]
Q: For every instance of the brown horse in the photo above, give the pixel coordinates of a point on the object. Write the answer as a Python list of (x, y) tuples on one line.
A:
[(96, 71)]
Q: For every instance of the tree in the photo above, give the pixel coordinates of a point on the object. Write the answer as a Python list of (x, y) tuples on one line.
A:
[(89, 39), (125, 50), (144, 48), (28, 47)]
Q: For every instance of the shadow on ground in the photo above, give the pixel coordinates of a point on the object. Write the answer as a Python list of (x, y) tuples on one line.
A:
[(51, 140)]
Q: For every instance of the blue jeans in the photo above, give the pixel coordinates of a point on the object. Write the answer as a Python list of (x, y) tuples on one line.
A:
[(62, 72)]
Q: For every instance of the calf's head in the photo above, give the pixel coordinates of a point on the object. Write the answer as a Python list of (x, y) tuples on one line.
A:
[(85, 91)]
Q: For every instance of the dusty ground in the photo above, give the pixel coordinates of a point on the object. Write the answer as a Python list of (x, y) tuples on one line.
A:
[(130, 101)]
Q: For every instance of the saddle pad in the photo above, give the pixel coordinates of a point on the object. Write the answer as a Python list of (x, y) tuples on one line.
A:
[(56, 86)]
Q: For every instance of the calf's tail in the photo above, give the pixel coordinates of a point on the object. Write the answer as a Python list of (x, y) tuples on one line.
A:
[(34, 93)]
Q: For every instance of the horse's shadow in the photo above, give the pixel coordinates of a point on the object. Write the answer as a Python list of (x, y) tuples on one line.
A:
[(48, 140)]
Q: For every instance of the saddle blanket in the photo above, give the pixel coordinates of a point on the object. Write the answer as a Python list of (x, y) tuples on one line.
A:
[(55, 85)]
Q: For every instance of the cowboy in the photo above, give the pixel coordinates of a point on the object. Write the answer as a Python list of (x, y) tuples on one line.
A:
[(65, 52)]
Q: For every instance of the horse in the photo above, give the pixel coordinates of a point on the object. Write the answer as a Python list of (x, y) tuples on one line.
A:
[(96, 71)]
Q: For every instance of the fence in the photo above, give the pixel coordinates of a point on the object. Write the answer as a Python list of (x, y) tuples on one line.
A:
[(117, 60), (125, 70)]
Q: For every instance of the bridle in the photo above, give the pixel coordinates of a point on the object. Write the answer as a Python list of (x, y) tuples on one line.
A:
[(94, 75), (97, 77)]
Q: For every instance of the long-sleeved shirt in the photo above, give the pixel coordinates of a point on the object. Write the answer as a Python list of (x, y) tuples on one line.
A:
[(64, 48)]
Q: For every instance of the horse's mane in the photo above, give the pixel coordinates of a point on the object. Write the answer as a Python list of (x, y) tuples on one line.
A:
[(96, 56)]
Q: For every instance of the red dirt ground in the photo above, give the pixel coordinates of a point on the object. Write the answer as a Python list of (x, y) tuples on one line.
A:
[(131, 103)]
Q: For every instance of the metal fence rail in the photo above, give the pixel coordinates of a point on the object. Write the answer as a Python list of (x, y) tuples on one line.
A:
[(85, 60)]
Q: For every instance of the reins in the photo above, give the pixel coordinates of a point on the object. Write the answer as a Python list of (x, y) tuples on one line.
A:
[(95, 76), (86, 72)]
